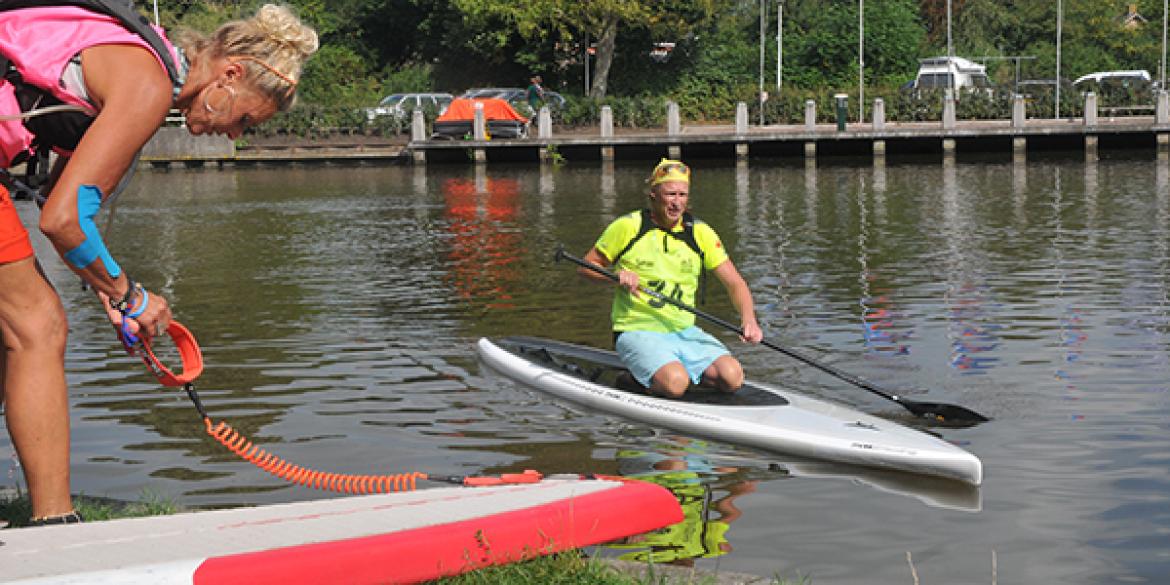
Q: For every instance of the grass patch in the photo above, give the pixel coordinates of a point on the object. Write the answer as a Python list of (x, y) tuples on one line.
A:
[(16, 509), (572, 568)]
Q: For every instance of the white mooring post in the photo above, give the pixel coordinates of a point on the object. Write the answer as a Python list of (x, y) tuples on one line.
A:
[(673, 121), (879, 114), (1019, 111), (606, 132), (479, 126), (948, 113), (418, 126), (544, 123)]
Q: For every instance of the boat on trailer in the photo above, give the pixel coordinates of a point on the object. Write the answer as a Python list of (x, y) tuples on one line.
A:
[(758, 415)]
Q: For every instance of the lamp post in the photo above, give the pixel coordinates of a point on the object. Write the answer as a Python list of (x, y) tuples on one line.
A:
[(950, 53), (156, 13), (1165, 5), (860, 61), (780, 45), (763, 20), (950, 47), (1059, 24)]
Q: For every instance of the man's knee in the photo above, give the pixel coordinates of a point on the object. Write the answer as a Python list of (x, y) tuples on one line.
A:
[(726, 374), (671, 380)]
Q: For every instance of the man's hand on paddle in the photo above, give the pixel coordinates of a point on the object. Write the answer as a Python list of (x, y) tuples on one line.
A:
[(751, 331), (628, 280)]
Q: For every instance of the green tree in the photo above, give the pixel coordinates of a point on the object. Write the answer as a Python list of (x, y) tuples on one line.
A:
[(823, 46), (568, 21)]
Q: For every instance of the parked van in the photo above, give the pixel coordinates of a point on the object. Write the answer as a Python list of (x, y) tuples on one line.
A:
[(951, 72)]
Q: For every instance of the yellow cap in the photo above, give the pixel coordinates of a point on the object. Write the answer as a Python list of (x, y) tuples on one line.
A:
[(670, 171)]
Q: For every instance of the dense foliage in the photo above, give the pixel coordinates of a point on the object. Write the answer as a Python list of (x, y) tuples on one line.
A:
[(707, 55)]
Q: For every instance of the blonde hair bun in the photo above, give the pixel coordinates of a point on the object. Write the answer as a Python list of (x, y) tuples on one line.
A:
[(284, 28)]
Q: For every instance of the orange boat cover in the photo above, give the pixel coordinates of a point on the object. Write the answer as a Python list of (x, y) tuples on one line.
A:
[(463, 109)]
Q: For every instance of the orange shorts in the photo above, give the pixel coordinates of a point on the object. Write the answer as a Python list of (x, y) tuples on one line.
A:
[(14, 242)]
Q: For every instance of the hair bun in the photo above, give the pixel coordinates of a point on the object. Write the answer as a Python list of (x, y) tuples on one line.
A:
[(283, 27)]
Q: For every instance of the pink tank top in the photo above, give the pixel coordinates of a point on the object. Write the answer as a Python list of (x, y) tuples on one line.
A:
[(40, 42)]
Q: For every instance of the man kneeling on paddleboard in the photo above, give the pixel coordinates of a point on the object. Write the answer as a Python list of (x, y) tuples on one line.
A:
[(664, 249)]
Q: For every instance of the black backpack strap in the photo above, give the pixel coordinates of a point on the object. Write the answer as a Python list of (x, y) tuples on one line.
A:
[(687, 236), (645, 227)]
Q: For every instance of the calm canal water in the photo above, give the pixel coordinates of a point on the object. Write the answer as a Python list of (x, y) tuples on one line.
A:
[(337, 308)]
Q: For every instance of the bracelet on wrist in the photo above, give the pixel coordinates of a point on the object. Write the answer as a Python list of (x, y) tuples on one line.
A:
[(123, 304), (143, 302)]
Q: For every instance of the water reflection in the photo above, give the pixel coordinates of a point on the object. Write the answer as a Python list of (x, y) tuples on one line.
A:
[(608, 189), (878, 311), (706, 493), (972, 330), (484, 245)]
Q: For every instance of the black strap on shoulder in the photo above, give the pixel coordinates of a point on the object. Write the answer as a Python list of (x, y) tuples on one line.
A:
[(686, 236), (124, 11)]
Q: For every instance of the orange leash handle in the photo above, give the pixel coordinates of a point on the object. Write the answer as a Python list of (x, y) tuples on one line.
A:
[(189, 354)]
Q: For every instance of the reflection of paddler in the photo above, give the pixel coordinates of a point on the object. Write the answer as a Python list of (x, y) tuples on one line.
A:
[(696, 536)]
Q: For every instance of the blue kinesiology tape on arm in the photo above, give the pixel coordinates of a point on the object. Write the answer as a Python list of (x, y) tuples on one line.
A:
[(89, 202)]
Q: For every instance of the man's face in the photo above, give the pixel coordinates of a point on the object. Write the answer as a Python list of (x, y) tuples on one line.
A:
[(669, 200)]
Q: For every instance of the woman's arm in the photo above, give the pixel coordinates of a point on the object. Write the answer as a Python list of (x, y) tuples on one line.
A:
[(133, 94)]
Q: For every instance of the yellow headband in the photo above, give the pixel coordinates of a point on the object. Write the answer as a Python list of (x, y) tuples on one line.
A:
[(670, 171)]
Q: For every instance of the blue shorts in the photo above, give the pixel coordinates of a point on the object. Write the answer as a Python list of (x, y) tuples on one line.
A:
[(645, 352)]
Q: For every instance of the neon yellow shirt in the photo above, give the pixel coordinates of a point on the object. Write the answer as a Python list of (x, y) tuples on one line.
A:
[(662, 263)]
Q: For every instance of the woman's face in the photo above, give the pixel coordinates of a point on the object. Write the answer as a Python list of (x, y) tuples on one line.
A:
[(228, 110), (228, 105)]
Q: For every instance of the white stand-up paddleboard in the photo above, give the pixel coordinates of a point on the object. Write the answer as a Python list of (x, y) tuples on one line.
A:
[(392, 538), (758, 415)]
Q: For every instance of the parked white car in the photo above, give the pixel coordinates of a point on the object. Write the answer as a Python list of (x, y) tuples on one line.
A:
[(400, 105), (1135, 78)]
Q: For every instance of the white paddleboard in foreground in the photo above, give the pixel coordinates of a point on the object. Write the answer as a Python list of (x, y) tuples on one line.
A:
[(392, 538)]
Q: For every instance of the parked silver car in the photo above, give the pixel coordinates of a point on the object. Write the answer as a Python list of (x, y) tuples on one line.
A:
[(400, 105)]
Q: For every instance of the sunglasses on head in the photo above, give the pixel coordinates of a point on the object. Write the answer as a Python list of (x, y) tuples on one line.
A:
[(666, 169)]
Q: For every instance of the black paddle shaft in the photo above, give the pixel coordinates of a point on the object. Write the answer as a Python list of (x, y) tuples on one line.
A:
[(932, 410)]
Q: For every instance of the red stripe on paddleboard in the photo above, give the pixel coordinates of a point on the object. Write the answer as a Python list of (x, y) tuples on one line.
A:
[(450, 549)]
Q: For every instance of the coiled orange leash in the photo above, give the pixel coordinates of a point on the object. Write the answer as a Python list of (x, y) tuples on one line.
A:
[(192, 360)]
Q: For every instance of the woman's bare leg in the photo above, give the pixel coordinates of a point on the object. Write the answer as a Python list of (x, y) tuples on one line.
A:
[(33, 331)]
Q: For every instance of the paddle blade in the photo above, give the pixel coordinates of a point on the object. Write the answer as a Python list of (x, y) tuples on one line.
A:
[(944, 414)]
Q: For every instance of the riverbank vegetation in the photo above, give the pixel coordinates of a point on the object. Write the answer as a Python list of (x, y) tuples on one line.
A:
[(705, 55), (15, 508)]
